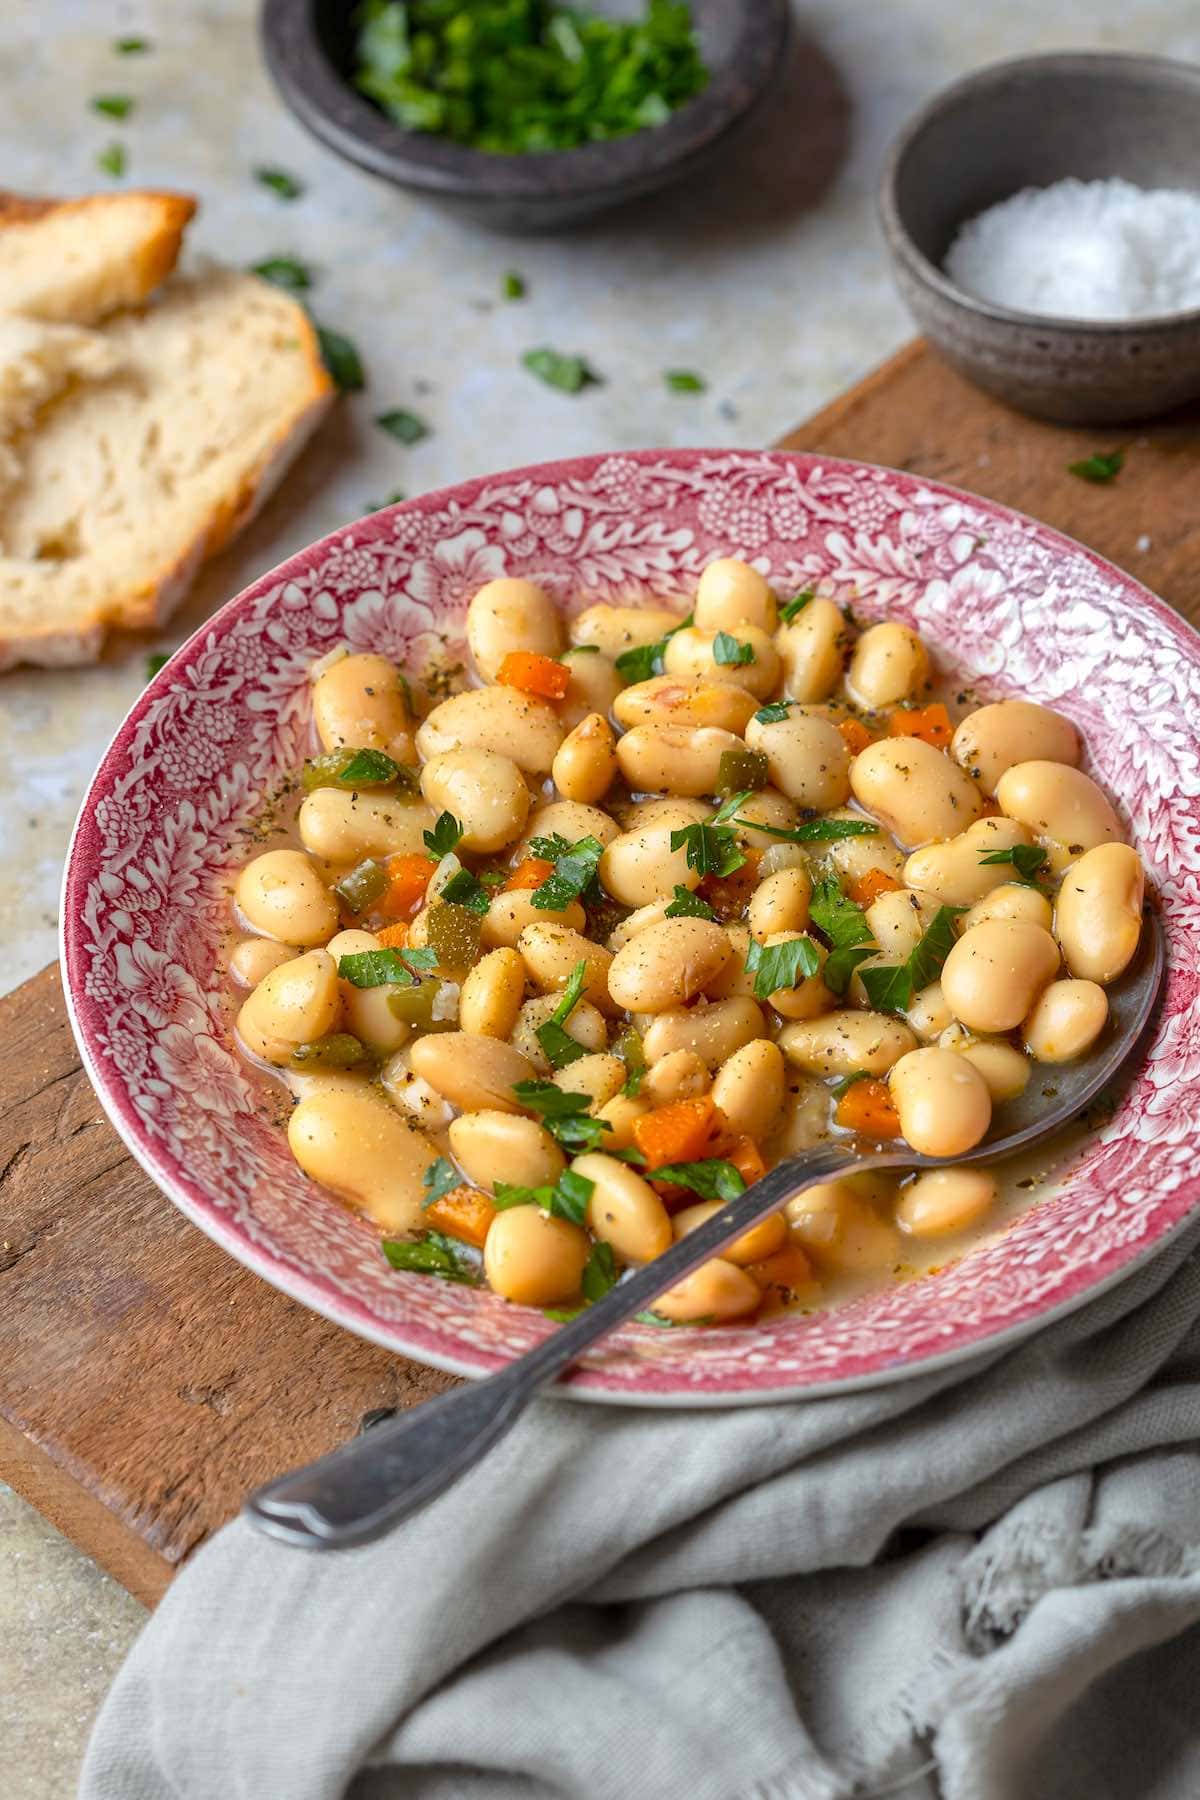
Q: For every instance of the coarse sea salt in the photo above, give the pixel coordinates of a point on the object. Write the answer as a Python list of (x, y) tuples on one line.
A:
[(1084, 250)]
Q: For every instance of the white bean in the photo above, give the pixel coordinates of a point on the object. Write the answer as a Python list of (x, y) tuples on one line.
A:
[(1098, 914), (281, 895), (500, 719), (992, 740), (1066, 1019), (941, 1202), (995, 972), (355, 1144), (917, 792), (668, 964), (491, 1146), (942, 1100), (807, 758), (732, 593), (508, 615), (485, 791)]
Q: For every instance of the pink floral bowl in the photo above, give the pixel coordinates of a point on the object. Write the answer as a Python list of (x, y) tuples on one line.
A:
[(1007, 603)]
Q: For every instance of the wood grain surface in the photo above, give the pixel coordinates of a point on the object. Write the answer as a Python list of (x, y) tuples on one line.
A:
[(147, 1381)]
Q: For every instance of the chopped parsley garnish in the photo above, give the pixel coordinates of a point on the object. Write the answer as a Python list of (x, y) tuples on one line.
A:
[(155, 663), (465, 889), (564, 1115), (444, 837), (815, 831), (728, 652), (438, 1180), (341, 359), (600, 1273), (1101, 467), (403, 425), (385, 968), (112, 159), (890, 987), (280, 182), (567, 373), (774, 714), (844, 923), (354, 769), (512, 76), (645, 660), (567, 1199), (711, 844), (653, 1318), (393, 499), (284, 272), (113, 106), (1027, 859), (685, 381), (131, 46), (549, 849), (431, 1254), (573, 872), (712, 1180), (558, 1046), (687, 905), (513, 286), (775, 966), (796, 605)]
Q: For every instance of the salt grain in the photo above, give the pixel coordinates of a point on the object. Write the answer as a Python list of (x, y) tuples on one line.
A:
[(1084, 250)]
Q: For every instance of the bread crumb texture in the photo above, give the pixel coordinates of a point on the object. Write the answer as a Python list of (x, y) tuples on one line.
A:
[(139, 430)]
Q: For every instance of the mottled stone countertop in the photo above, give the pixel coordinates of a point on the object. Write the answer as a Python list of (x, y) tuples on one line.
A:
[(770, 281)]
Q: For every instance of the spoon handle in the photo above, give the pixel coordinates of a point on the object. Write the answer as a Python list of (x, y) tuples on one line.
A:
[(361, 1490)]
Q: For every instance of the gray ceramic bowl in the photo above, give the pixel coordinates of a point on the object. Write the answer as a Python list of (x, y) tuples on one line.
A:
[(1028, 123), (308, 46)]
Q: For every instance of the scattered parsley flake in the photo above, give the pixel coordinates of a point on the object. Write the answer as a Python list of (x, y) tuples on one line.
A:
[(685, 381), (728, 652), (385, 968), (465, 889), (284, 272), (774, 714), (814, 831), (600, 1274), (341, 359), (567, 1199), (645, 660), (438, 1180), (776, 966), (564, 1115), (1100, 468), (403, 425), (113, 160), (513, 286), (1027, 859), (569, 374), (444, 837), (712, 1180), (890, 986), (573, 872), (155, 663), (432, 1254), (796, 605), (687, 905), (113, 106), (280, 182), (558, 1046), (845, 924), (131, 46)]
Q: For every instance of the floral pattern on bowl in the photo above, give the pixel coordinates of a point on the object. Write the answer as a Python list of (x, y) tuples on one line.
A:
[(1006, 601)]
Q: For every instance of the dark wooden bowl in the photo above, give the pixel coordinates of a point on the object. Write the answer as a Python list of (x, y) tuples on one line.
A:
[(308, 46)]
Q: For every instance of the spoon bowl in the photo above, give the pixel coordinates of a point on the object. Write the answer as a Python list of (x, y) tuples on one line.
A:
[(362, 1490)]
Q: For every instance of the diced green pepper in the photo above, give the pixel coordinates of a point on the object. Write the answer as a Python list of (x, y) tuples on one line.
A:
[(337, 1051), (454, 936), (414, 1006), (362, 886), (358, 769), (741, 770)]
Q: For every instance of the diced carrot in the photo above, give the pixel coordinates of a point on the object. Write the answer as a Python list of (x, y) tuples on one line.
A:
[(746, 1158), (408, 877), (393, 937), (681, 1132), (856, 735), (788, 1271), (867, 1107), (529, 874), (463, 1213), (866, 888), (929, 723), (729, 895), (534, 674)]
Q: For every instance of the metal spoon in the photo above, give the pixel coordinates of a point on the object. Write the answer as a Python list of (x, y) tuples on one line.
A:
[(360, 1491)]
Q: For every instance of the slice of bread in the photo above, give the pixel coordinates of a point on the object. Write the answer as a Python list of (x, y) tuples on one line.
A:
[(37, 361), (77, 260), (126, 482)]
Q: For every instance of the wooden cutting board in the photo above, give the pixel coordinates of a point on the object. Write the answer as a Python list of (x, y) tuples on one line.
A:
[(146, 1380)]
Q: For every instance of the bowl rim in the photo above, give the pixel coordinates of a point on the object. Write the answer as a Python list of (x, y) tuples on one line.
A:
[(267, 1264), (352, 126), (905, 249)]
